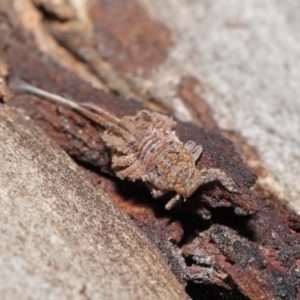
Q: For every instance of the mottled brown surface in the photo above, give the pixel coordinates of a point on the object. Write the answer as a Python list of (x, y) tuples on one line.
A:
[(126, 36), (221, 256), (244, 256), (260, 256), (123, 34), (189, 90), (122, 45), (264, 186)]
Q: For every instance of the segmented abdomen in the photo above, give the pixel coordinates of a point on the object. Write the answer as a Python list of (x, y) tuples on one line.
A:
[(152, 149)]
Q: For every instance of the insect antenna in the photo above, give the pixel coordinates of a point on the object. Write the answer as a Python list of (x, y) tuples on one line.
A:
[(102, 117)]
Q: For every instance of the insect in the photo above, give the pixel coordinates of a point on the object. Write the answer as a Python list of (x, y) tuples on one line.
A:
[(145, 147)]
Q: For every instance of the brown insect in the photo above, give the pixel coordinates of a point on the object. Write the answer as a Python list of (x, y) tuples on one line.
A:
[(145, 147)]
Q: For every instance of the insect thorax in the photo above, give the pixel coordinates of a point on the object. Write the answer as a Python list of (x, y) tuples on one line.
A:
[(173, 168)]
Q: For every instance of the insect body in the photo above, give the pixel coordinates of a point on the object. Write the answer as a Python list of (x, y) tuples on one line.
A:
[(145, 147), (153, 153)]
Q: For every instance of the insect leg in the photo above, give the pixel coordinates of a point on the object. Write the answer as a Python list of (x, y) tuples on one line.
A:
[(123, 161), (133, 172), (157, 193), (173, 202), (208, 175), (195, 149), (190, 145), (197, 152), (118, 130)]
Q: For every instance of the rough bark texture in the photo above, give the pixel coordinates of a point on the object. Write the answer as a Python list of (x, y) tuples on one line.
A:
[(218, 244), (61, 237), (83, 147)]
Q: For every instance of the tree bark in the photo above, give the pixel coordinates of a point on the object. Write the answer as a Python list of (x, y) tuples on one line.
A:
[(212, 66)]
